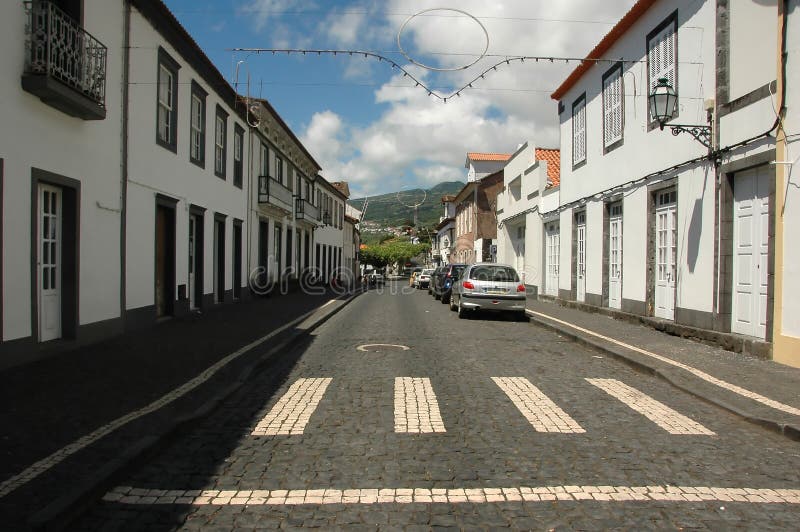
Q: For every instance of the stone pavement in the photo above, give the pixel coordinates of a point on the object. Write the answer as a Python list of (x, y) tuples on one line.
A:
[(761, 391), (72, 421)]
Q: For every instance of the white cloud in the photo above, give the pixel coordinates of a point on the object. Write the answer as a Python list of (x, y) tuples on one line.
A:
[(417, 139)]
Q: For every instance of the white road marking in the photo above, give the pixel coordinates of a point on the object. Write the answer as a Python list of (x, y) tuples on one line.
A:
[(415, 406), (291, 413), (605, 494), (694, 371), (657, 412), (46, 463), (538, 409), (366, 347)]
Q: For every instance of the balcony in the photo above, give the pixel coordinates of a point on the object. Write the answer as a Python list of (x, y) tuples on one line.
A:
[(304, 210), (65, 66), (272, 192)]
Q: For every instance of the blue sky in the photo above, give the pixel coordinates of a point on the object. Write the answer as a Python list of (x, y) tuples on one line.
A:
[(367, 124)]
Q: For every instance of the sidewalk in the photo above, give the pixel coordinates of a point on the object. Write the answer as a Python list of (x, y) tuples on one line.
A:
[(761, 391), (71, 421)]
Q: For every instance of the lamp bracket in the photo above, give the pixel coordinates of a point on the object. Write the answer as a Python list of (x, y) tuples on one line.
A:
[(701, 134)]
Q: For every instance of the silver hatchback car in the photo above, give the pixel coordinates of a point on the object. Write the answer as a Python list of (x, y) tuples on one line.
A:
[(489, 286)]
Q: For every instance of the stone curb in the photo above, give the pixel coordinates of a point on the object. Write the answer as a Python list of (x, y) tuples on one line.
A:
[(62, 511), (790, 431)]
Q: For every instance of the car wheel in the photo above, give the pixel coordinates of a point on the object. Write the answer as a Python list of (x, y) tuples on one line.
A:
[(462, 312), (437, 296), (452, 303), (446, 299)]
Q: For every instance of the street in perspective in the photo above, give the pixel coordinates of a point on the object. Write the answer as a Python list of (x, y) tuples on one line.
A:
[(390, 266)]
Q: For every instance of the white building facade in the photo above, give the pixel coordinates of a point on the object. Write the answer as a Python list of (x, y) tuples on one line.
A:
[(529, 175), (677, 226), (60, 177), (444, 240), (329, 238), (633, 228)]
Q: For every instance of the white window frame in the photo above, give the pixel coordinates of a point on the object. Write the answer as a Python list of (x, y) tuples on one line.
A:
[(219, 144), (166, 103), (579, 130), (613, 107), (197, 127)]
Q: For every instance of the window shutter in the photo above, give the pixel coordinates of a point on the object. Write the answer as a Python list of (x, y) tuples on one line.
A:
[(579, 133), (661, 56), (612, 108)]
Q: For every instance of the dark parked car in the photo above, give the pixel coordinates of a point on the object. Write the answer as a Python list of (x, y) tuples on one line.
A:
[(442, 280)]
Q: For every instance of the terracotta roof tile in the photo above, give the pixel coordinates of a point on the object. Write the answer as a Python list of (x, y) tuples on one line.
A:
[(553, 160), (477, 156)]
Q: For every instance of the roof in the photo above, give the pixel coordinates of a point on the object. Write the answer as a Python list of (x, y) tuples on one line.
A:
[(321, 181), (553, 160), (449, 198), (342, 187), (619, 29), (478, 156)]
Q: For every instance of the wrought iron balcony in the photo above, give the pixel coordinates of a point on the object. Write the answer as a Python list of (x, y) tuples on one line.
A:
[(272, 192), (65, 66), (304, 210)]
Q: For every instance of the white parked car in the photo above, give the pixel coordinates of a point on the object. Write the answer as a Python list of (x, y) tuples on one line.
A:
[(489, 286), (423, 278)]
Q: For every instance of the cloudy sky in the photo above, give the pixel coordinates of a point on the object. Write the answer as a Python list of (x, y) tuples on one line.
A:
[(367, 124)]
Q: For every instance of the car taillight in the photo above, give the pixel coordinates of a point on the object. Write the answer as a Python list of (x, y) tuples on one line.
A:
[(521, 288), (468, 285)]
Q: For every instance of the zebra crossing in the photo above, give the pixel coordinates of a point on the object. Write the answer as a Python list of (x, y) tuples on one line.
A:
[(416, 407)]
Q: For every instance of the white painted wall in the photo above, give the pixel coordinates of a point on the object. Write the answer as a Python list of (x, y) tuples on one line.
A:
[(754, 42), (154, 169), (34, 134), (644, 152), (791, 212)]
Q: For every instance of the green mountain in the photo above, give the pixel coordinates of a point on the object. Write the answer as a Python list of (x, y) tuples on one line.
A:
[(388, 211)]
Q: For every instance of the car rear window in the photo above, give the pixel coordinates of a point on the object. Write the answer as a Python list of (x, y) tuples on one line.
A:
[(495, 274), (458, 269)]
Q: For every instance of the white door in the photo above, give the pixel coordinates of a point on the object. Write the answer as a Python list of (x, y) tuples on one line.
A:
[(751, 246), (49, 281), (666, 253), (192, 254), (553, 252), (580, 220), (615, 257)]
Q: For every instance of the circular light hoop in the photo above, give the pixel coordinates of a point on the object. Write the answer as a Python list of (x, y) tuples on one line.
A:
[(439, 69), (412, 205)]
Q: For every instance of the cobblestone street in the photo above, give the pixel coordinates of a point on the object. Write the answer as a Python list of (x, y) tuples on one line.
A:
[(399, 415)]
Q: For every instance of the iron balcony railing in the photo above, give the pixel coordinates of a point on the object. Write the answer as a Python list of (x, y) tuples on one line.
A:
[(304, 210), (58, 47), (273, 192)]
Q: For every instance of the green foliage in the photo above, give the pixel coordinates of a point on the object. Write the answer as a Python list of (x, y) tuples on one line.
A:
[(391, 251)]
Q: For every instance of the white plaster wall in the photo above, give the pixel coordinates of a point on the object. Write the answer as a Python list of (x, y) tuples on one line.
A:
[(695, 287), (791, 210), (533, 249), (565, 260), (154, 169), (754, 42), (634, 245), (594, 248), (642, 151), (34, 134)]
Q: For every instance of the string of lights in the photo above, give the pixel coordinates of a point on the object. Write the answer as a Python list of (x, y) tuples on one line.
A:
[(368, 54)]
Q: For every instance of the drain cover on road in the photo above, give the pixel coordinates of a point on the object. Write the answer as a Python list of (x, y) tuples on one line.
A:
[(377, 348)]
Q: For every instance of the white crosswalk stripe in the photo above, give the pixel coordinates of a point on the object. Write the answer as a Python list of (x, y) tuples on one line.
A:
[(415, 406), (291, 413), (538, 409), (657, 412)]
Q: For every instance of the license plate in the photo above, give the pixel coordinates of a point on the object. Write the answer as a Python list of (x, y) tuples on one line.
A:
[(496, 292)]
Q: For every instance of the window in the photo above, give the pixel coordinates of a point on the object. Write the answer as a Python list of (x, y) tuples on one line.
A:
[(220, 142), (613, 107), (238, 155), (279, 170), (197, 126), (167, 104), (263, 160), (662, 55), (579, 131)]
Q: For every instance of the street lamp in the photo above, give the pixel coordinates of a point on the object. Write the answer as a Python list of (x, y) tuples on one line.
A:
[(663, 103)]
